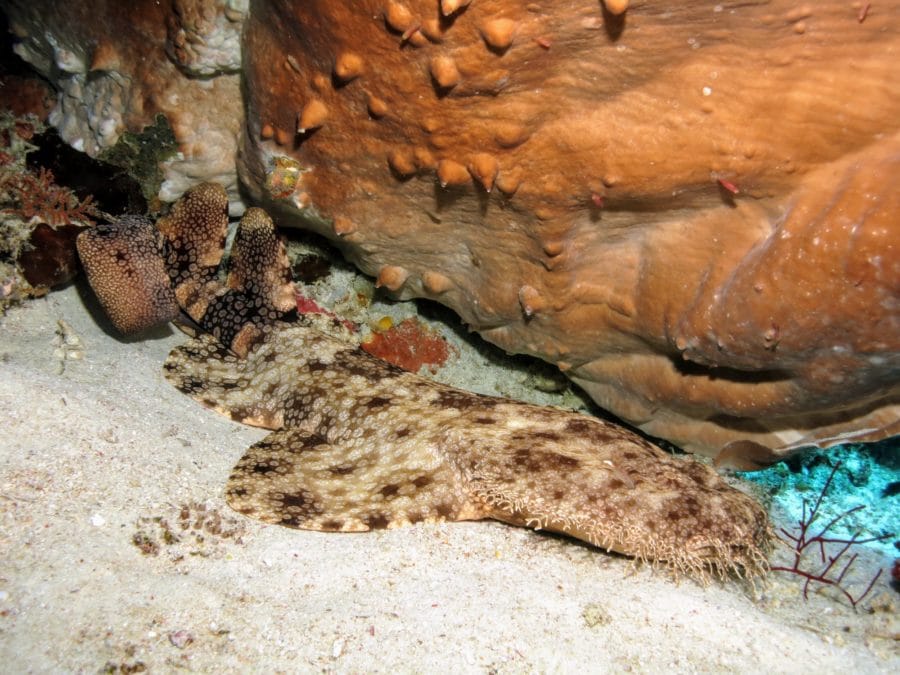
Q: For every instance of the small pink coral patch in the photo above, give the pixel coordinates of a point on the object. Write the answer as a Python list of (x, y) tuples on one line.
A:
[(409, 345)]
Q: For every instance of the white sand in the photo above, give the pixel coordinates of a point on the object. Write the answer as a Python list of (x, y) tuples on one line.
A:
[(90, 456)]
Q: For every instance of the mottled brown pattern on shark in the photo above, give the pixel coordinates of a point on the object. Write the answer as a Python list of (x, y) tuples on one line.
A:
[(358, 444), (421, 459)]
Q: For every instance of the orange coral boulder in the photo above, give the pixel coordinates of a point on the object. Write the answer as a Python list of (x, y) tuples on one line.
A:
[(690, 207)]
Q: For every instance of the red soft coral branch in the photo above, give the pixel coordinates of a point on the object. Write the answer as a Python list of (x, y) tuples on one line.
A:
[(38, 196), (803, 540)]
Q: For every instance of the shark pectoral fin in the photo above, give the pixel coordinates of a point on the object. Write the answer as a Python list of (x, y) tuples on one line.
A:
[(298, 479), (208, 372)]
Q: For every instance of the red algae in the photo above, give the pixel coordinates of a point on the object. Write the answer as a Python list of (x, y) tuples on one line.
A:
[(309, 306), (409, 345)]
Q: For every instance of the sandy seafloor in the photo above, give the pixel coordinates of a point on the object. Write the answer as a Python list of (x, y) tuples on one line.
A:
[(103, 465)]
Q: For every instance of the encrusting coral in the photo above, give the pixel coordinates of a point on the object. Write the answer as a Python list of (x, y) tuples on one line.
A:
[(359, 444), (688, 207)]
